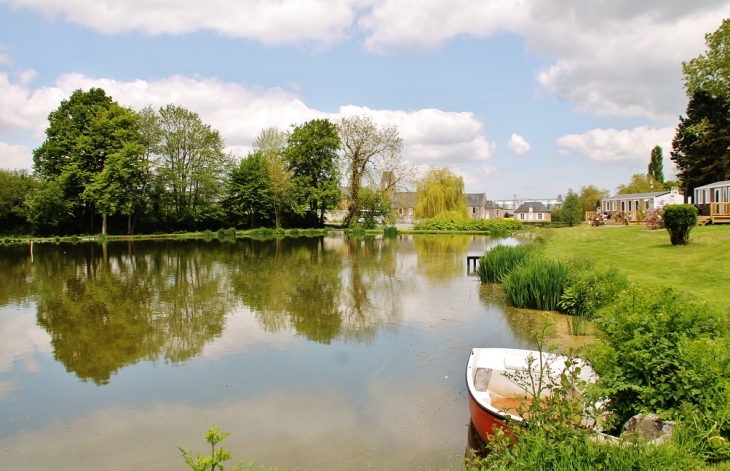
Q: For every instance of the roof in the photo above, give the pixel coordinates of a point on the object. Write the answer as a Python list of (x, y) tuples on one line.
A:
[(537, 207), (404, 199), (632, 196), (478, 200), (714, 185)]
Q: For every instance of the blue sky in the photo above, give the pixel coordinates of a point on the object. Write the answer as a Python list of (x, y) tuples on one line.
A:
[(532, 96)]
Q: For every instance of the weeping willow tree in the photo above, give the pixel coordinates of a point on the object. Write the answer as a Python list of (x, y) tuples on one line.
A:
[(440, 193)]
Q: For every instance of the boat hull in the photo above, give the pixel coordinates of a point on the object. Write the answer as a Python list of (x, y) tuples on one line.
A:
[(485, 422)]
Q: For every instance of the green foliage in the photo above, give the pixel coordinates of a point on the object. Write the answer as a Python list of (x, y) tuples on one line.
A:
[(249, 198), (48, 208), (710, 72), (438, 192), (536, 284), (364, 142), (640, 183), (311, 156), (590, 197), (701, 143), (192, 165), (679, 219), (586, 290), (571, 212), (495, 227), (662, 350), (16, 186), (499, 262), (552, 437), (217, 457), (655, 171), (372, 208), (390, 231)]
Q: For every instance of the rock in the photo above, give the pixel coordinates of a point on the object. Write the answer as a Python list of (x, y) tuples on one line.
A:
[(650, 428)]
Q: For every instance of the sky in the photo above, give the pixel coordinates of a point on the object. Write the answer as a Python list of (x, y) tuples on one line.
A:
[(517, 96)]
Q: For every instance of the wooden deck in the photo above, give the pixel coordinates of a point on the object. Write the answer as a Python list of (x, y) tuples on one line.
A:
[(719, 213)]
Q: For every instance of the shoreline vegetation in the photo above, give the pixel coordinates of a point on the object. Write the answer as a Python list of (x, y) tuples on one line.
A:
[(663, 346), (494, 228)]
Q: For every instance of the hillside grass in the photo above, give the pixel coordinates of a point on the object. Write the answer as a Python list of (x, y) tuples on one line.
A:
[(646, 256)]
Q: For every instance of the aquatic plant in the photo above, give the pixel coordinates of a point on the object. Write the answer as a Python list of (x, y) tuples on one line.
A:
[(498, 262), (536, 284), (390, 231)]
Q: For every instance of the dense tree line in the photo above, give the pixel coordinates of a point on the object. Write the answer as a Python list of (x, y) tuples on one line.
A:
[(106, 168)]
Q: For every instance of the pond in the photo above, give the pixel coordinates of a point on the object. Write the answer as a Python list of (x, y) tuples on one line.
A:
[(322, 353)]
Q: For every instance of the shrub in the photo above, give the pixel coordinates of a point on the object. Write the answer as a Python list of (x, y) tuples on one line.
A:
[(586, 291), (679, 219), (536, 284), (654, 219), (661, 351), (498, 262)]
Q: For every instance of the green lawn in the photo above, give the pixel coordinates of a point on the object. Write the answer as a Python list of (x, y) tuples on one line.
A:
[(702, 266)]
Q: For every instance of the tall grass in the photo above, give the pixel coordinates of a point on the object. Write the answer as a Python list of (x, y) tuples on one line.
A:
[(390, 231), (497, 263), (536, 284)]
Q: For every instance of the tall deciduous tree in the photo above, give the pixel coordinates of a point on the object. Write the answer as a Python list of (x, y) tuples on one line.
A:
[(271, 142), (115, 187), (248, 191), (640, 183), (710, 72), (656, 167), (590, 197), (440, 193), (362, 143), (311, 155), (192, 162), (71, 155)]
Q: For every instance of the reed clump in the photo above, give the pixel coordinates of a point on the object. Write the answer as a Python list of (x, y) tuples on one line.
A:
[(537, 283), (499, 262)]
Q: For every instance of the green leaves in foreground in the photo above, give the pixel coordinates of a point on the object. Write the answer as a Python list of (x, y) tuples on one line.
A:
[(217, 457)]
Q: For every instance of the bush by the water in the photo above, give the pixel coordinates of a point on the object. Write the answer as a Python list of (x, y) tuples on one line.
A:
[(498, 262), (679, 219), (587, 290), (536, 284), (665, 351), (496, 227)]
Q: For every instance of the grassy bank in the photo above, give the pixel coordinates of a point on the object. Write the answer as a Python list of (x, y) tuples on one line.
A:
[(648, 257)]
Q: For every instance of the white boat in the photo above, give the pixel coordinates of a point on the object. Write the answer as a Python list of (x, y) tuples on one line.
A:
[(493, 397)]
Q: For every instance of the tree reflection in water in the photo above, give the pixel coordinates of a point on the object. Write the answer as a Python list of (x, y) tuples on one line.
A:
[(107, 306)]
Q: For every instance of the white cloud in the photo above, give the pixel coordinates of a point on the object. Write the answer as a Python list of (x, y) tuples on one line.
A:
[(614, 145), (270, 22), (518, 144), (239, 113), (609, 57), (14, 156)]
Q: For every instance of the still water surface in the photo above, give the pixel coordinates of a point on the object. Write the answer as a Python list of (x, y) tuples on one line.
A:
[(322, 353)]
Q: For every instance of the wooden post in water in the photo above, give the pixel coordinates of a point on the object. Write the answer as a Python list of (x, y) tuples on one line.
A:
[(31, 251)]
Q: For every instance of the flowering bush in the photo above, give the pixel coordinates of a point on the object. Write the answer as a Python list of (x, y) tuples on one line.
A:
[(655, 219)]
